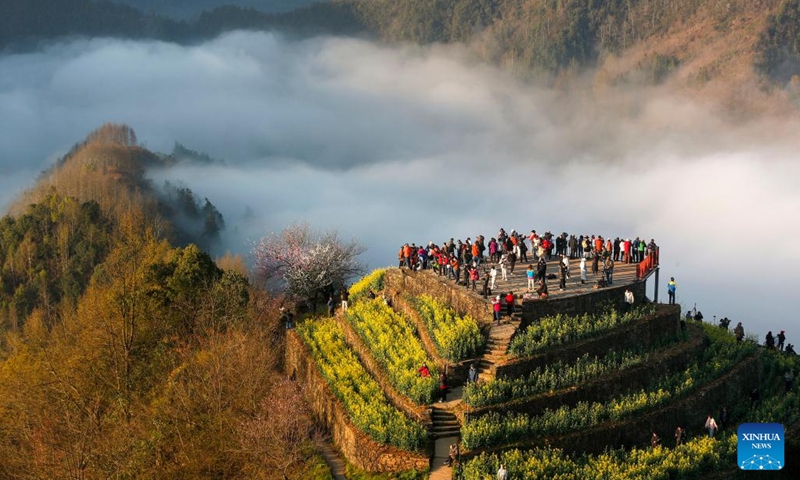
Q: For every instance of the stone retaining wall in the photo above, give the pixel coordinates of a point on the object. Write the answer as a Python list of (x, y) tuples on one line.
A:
[(675, 358), (357, 447), (664, 323), (533, 310)]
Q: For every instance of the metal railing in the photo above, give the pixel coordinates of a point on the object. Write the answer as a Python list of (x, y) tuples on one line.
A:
[(647, 265)]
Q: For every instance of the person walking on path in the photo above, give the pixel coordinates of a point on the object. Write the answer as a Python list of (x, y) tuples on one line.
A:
[(331, 305), (496, 308), (503, 265), (711, 426), (781, 338), (442, 387), (583, 270), (671, 286), (472, 375), (679, 436), (509, 303), (769, 341), (655, 440), (345, 295), (492, 278)]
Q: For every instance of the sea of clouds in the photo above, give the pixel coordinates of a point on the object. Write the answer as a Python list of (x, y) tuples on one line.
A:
[(390, 144)]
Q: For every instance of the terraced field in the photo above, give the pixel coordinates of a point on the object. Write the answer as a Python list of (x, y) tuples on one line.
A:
[(574, 396)]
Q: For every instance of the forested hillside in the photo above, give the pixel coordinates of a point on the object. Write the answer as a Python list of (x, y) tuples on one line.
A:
[(121, 355), (640, 41)]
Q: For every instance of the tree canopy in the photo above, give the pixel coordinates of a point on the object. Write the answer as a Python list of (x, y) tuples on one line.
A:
[(306, 263)]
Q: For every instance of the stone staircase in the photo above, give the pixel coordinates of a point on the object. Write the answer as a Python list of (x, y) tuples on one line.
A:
[(497, 344), (444, 423), (445, 430)]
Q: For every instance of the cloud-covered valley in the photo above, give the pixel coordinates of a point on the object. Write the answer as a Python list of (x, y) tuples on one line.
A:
[(399, 143)]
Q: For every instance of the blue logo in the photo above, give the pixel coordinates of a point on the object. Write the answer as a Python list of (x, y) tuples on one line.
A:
[(760, 446)]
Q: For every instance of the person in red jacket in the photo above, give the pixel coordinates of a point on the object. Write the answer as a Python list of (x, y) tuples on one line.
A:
[(473, 276), (626, 250), (509, 303), (496, 308)]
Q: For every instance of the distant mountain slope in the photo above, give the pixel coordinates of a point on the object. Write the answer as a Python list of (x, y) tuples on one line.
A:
[(108, 168), (186, 9), (695, 43)]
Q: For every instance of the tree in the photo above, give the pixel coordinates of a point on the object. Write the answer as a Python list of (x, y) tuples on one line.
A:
[(306, 263)]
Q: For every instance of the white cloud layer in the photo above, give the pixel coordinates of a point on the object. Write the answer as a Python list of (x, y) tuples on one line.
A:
[(393, 144)]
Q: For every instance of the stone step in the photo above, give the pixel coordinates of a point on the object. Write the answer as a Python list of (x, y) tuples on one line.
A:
[(446, 433), (441, 414), (445, 426)]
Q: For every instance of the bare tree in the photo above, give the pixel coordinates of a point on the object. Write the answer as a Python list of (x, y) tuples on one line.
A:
[(306, 263)]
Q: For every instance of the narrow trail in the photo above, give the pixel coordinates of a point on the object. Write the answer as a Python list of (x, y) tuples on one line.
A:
[(445, 428), (334, 461)]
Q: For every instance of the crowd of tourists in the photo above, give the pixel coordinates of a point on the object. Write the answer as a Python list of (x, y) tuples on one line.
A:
[(479, 262)]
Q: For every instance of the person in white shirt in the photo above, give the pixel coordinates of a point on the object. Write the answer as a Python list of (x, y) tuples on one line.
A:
[(629, 297), (711, 425), (583, 270), (502, 473)]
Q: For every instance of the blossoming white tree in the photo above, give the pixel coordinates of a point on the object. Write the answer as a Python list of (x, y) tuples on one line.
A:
[(306, 263)]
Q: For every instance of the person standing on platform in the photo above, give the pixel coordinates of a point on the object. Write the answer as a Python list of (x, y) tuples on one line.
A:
[(671, 287), (583, 270), (531, 274)]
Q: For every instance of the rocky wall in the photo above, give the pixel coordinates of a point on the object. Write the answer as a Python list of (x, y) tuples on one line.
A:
[(533, 310), (358, 448)]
